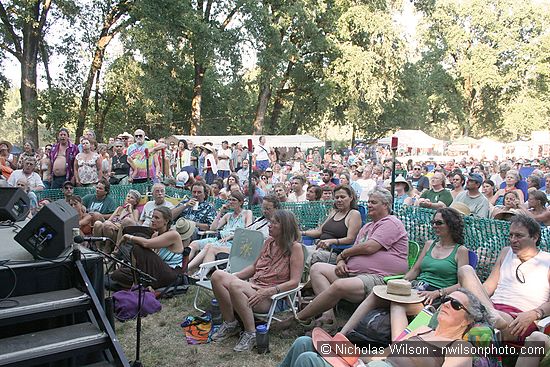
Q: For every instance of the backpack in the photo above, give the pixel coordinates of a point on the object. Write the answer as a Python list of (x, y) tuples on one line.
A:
[(375, 327)]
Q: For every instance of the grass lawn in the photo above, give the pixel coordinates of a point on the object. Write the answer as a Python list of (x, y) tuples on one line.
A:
[(163, 341)]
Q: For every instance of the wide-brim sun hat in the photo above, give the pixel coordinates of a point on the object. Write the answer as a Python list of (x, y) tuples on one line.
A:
[(185, 228), (506, 215), (321, 338), (7, 143), (461, 208), (125, 135), (398, 290), (208, 147), (401, 179)]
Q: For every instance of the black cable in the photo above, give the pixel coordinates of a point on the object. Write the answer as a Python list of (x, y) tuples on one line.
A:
[(10, 302)]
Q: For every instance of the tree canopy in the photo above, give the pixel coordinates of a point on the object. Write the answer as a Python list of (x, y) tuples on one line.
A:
[(473, 67)]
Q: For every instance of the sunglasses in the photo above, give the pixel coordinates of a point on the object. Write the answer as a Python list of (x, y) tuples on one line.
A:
[(138, 135), (125, 138), (437, 222), (455, 304), (519, 275), (416, 169)]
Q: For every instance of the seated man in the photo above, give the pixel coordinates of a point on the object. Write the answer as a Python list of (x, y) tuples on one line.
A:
[(100, 205), (197, 209), (33, 179), (269, 205), (437, 197), (380, 249), (517, 291), (158, 194)]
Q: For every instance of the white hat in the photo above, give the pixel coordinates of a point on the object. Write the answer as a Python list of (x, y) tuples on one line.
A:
[(398, 290)]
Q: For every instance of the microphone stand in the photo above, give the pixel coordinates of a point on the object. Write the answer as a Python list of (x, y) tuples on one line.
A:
[(140, 276)]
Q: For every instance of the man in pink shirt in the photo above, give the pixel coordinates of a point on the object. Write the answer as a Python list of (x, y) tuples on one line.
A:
[(381, 249)]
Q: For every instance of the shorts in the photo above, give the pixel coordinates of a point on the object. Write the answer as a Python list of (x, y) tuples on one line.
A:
[(370, 280), (262, 165), (513, 311)]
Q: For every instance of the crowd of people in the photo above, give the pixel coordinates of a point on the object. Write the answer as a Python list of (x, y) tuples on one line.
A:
[(515, 295)]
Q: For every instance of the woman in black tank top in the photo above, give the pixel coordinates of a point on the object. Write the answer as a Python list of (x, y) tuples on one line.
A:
[(343, 223)]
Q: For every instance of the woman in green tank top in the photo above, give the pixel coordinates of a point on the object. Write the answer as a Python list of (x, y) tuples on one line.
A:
[(435, 272)]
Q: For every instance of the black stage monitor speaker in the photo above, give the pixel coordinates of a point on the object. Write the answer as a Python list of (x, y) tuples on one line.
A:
[(50, 231), (14, 204)]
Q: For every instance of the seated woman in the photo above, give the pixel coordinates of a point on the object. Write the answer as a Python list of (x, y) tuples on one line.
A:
[(111, 227), (233, 179), (209, 247), (511, 206), (511, 180), (340, 227), (159, 256), (380, 250), (537, 207), (23, 184), (85, 220), (277, 269), (434, 274), (458, 312)]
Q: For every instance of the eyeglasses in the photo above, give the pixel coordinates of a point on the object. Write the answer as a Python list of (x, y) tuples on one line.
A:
[(138, 136), (455, 304), (437, 222), (125, 138), (519, 275), (416, 169)]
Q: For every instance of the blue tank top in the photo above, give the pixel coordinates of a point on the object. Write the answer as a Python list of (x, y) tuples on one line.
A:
[(172, 259)]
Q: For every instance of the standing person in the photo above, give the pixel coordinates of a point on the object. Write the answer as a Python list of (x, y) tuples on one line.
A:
[(475, 200), (139, 153), (44, 166), (210, 164), (105, 160), (262, 154), (120, 169), (28, 152), (62, 158), (182, 156), (87, 165), (224, 157), (237, 157)]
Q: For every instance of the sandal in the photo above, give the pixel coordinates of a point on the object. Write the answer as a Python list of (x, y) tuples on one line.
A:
[(330, 327)]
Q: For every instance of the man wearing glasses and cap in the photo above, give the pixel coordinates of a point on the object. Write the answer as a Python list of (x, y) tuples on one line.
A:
[(520, 277), (138, 154)]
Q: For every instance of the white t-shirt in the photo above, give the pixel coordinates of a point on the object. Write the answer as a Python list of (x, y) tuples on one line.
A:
[(33, 179), (262, 152), (223, 164), (296, 199), (148, 208)]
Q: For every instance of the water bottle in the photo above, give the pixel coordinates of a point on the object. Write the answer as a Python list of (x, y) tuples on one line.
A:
[(262, 339), (215, 312)]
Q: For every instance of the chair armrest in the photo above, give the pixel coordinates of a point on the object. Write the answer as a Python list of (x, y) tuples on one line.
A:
[(281, 295), (204, 268), (206, 233), (390, 277), (544, 325)]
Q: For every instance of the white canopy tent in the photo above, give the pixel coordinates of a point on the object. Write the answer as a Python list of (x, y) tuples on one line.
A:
[(274, 141), (416, 139)]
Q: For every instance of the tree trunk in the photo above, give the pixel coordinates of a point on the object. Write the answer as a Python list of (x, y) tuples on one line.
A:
[(106, 35), (263, 101), (29, 95), (200, 69), (278, 104)]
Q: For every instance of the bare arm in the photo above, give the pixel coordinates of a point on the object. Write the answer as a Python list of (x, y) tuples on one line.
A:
[(99, 168), (167, 239), (76, 177)]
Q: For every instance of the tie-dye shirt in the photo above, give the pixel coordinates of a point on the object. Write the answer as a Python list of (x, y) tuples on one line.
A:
[(137, 153)]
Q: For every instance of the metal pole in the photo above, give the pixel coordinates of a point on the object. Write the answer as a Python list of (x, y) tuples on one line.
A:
[(250, 190), (393, 179)]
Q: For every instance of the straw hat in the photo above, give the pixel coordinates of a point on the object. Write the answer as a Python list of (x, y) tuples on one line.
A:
[(506, 215), (398, 290), (402, 179), (185, 228), (461, 208), (7, 143), (321, 338), (125, 134)]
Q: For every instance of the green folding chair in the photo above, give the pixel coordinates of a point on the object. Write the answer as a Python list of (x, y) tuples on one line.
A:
[(247, 245)]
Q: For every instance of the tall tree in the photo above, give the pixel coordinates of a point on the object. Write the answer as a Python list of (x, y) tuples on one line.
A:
[(23, 28), (114, 20)]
